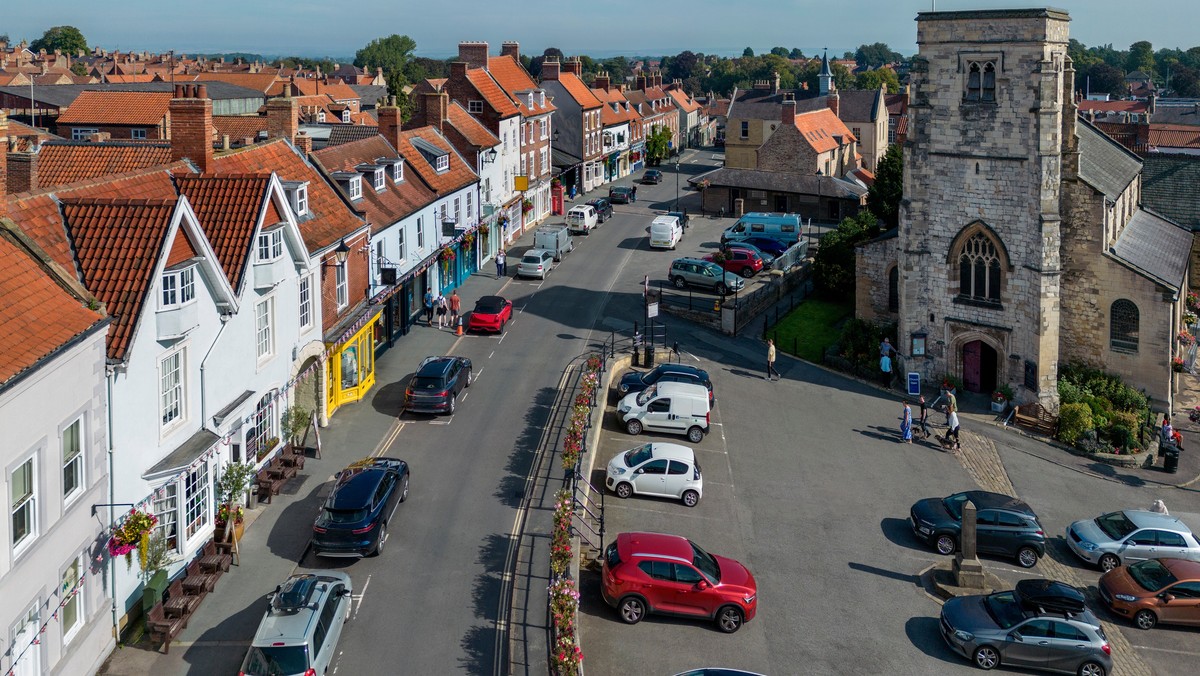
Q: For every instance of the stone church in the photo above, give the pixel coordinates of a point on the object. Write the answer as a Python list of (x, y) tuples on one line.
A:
[(1022, 242)]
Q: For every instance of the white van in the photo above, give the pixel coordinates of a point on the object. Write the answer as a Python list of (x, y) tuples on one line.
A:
[(582, 218), (676, 408), (783, 227), (553, 238), (665, 232)]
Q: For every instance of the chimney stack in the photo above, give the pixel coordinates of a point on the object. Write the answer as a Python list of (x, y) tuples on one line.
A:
[(601, 82), (304, 143), (550, 68), (475, 54), (512, 49), (191, 125), (834, 102), (437, 109), (639, 82), (22, 172), (283, 116), (390, 122), (788, 114), (574, 65)]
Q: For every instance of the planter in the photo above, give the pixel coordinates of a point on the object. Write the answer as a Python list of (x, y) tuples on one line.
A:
[(999, 406), (238, 529)]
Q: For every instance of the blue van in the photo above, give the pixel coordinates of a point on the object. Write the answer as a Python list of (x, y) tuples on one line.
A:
[(783, 227)]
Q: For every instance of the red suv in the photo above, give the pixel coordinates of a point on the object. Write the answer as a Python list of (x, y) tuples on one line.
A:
[(743, 262), (671, 575)]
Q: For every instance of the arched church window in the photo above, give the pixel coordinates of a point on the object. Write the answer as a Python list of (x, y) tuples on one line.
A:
[(981, 81), (1123, 326), (974, 81), (989, 82), (979, 272)]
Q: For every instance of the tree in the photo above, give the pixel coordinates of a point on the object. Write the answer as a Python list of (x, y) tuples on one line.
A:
[(842, 77), (885, 193), (747, 52), (1141, 57), (658, 144), (79, 68), (682, 66), (535, 64), (879, 77), (1185, 81), (617, 67), (834, 269), (876, 55), (392, 54), (1102, 78), (796, 54), (780, 51), (68, 39)]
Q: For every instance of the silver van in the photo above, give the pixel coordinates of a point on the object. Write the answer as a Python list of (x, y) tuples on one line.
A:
[(300, 632), (676, 408), (553, 238), (582, 218)]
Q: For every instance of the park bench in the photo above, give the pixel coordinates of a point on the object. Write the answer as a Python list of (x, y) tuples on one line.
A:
[(163, 629), (1033, 416)]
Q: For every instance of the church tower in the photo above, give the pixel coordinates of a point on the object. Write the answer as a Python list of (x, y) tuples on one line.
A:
[(825, 77)]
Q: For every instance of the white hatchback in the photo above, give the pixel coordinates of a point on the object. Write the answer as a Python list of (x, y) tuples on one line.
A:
[(663, 470)]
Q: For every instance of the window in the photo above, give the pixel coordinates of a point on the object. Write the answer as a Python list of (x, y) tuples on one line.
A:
[(545, 128), (72, 448), (470, 208), (403, 247), (263, 429), (170, 374), (475, 107), (343, 291), (524, 165), (346, 116), (543, 158), (685, 574), (1064, 631), (398, 171), (443, 163), (306, 313), (179, 286), (165, 506), (745, 129), (300, 200), (263, 335), (979, 275), (523, 134), (379, 180), (894, 289), (1169, 539), (321, 116), (195, 500), (82, 134), (857, 132), (22, 487), (354, 187), (270, 245), (458, 210), (1123, 329), (892, 130), (420, 235), (137, 134), (981, 81), (72, 610)]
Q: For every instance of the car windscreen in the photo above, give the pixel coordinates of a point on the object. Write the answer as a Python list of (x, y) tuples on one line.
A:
[(426, 383), (646, 395), (1004, 608), (1151, 575), (706, 563), (636, 456), (953, 505), (1115, 525), (345, 515), (276, 661), (532, 260)]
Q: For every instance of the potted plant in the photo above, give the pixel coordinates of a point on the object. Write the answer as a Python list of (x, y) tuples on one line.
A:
[(223, 513), (133, 533), (155, 558), (526, 206), (234, 483), (1177, 364), (293, 422), (1001, 397)]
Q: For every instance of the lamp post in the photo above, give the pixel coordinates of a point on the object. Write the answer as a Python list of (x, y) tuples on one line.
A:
[(677, 184), (819, 196)]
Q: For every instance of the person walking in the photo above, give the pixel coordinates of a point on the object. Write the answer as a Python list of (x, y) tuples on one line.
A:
[(923, 421), (906, 423), (429, 307), (500, 265), (885, 348), (952, 427), (1166, 434), (771, 360), (441, 311), (634, 194), (885, 368), (455, 306)]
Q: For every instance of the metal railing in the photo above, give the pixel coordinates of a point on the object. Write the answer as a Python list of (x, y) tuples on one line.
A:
[(794, 254)]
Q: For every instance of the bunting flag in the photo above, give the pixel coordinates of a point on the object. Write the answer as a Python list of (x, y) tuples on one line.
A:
[(37, 638)]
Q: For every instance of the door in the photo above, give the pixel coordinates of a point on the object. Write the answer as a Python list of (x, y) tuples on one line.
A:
[(1171, 544), (1007, 534), (1185, 607), (688, 597), (781, 204), (1066, 647), (676, 480), (30, 662), (1028, 645), (987, 532), (650, 478), (970, 362), (341, 610), (1140, 546), (658, 413)]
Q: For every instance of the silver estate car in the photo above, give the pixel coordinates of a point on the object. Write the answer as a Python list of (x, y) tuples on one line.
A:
[(299, 633), (1130, 536)]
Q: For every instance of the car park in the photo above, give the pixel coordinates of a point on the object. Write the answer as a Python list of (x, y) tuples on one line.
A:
[(674, 408), (659, 469), (299, 633), (491, 313), (1154, 591), (1129, 536), (655, 573), (687, 272), (770, 245), (636, 381), (536, 263), (1042, 624), (354, 519), (582, 219), (738, 261), (435, 386), (652, 176), (1003, 525), (604, 210), (665, 232), (620, 194), (767, 258)]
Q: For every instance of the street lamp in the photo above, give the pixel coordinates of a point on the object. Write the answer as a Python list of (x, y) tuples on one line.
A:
[(676, 185)]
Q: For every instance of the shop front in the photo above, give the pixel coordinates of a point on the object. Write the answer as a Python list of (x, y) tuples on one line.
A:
[(350, 369), (637, 156), (400, 305)]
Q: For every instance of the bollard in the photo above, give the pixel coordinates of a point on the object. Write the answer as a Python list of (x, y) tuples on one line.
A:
[(649, 360)]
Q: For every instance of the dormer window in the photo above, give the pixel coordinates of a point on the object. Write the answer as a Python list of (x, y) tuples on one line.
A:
[(475, 107), (270, 245), (530, 99), (346, 116), (379, 179), (398, 172), (442, 163), (297, 194), (179, 286), (541, 98), (321, 116), (354, 187)]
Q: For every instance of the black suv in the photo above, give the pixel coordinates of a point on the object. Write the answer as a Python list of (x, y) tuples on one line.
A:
[(1004, 525), (636, 381), (354, 519), (621, 194), (652, 176), (434, 388), (603, 208)]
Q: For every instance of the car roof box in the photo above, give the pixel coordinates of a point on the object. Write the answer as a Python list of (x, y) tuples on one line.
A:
[(1050, 596)]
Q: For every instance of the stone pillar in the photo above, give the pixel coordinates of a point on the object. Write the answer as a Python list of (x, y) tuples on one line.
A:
[(968, 572)]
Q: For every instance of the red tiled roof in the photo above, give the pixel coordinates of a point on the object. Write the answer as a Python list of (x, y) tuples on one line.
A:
[(23, 133), (313, 87), (397, 200), (257, 81), (228, 207), (818, 128), (363, 118), (117, 108), (118, 243), (513, 78), (125, 79), (64, 162), (38, 315), (687, 103), (330, 219), (1114, 106), (458, 176), (471, 129), (1174, 136), (238, 127), (578, 90), (491, 92)]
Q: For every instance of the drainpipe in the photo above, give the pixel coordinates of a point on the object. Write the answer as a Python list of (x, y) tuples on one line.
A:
[(225, 317), (110, 373)]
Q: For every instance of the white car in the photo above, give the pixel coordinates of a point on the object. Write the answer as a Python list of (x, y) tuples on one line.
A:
[(663, 470), (1130, 536), (536, 263), (299, 633)]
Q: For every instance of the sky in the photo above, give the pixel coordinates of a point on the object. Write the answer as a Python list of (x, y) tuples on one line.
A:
[(599, 29)]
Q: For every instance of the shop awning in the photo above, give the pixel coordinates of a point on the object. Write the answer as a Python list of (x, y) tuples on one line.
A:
[(184, 456)]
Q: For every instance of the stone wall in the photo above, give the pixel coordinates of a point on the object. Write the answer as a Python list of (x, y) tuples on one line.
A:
[(874, 262)]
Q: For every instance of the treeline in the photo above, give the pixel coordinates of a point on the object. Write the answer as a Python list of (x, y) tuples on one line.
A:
[(1102, 69)]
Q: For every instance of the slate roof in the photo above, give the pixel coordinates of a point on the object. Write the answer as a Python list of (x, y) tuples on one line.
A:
[(761, 104), (859, 105), (513, 78), (1171, 187), (397, 200), (779, 181), (369, 94), (39, 315), (458, 176), (61, 96), (228, 207), (345, 133), (1103, 163), (117, 108), (1189, 115), (65, 162), (1155, 248)]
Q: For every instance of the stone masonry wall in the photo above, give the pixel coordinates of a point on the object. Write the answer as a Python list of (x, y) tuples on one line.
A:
[(873, 261)]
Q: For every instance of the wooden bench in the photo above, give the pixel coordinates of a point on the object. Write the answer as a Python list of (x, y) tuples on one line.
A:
[(162, 628), (213, 561), (179, 604), (293, 457), (198, 583), (272, 477), (1033, 416)]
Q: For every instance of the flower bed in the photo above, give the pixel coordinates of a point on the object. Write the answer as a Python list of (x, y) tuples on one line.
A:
[(1100, 414)]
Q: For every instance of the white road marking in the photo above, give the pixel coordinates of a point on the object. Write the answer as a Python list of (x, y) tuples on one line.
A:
[(480, 372), (1167, 650), (465, 395), (360, 596), (492, 354), (441, 422)]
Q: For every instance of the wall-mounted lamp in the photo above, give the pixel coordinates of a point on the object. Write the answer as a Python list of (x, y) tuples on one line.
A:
[(490, 156), (556, 136), (340, 253)]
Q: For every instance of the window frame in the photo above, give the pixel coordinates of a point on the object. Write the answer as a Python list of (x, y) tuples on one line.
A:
[(166, 509), (354, 187), (76, 461), (1124, 337), (82, 133), (138, 134), (29, 503), (264, 328), (379, 180), (269, 245), (342, 285), (197, 512), (177, 286), (475, 107), (979, 262), (76, 599), (442, 163), (300, 200), (305, 297), (398, 172), (177, 390)]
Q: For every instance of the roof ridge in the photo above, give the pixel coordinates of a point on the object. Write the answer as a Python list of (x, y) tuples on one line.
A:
[(120, 201)]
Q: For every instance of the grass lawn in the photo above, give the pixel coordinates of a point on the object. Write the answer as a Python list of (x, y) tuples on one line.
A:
[(811, 327)]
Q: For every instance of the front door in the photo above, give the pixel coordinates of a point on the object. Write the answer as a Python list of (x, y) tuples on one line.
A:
[(781, 204), (970, 360)]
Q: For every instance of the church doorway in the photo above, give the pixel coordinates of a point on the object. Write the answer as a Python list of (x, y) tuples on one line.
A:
[(979, 367)]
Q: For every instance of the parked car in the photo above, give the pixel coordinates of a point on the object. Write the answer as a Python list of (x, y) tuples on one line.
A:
[(299, 633), (1130, 536), (435, 386), (636, 381), (652, 176), (491, 313), (1003, 525), (667, 574), (604, 210), (684, 219), (1153, 591), (665, 232), (687, 272), (555, 239), (536, 263), (663, 470), (767, 258), (783, 227), (743, 262), (771, 245), (354, 519), (674, 408), (620, 194), (1042, 624), (582, 218)]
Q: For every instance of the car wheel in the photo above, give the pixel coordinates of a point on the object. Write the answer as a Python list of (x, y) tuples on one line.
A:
[(382, 539), (720, 289), (945, 544), (470, 377), (1027, 557), (1145, 619), (690, 498), (624, 490), (1108, 562), (695, 435), (679, 283), (986, 657), (747, 272), (453, 403), (729, 619), (404, 488), (634, 427), (633, 609), (1091, 669)]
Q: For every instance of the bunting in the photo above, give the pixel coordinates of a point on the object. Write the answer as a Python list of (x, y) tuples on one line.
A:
[(37, 638)]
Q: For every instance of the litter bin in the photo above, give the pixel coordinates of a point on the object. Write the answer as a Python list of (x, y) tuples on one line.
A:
[(1171, 459)]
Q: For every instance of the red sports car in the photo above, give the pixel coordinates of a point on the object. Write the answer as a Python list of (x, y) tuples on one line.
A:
[(491, 313)]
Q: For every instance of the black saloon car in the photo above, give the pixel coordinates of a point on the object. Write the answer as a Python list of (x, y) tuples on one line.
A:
[(1004, 525), (435, 387), (621, 194), (652, 176), (636, 381), (354, 520), (603, 208)]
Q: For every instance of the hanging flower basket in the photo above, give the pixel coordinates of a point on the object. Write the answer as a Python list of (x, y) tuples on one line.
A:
[(1193, 301), (468, 239), (1177, 364), (131, 534), (1185, 339), (526, 206), (446, 255), (704, 184)]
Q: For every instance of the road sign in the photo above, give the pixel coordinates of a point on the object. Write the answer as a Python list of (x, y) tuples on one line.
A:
[(652, 310), (914, 383)]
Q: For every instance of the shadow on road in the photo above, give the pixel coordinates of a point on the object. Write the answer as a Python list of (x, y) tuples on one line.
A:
[(891, 434), (898, 532), (206, 656), (634, 243), (389, 399), (883, 572), (1111, 472), (479, 645), (285, 540), (925, 634)]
